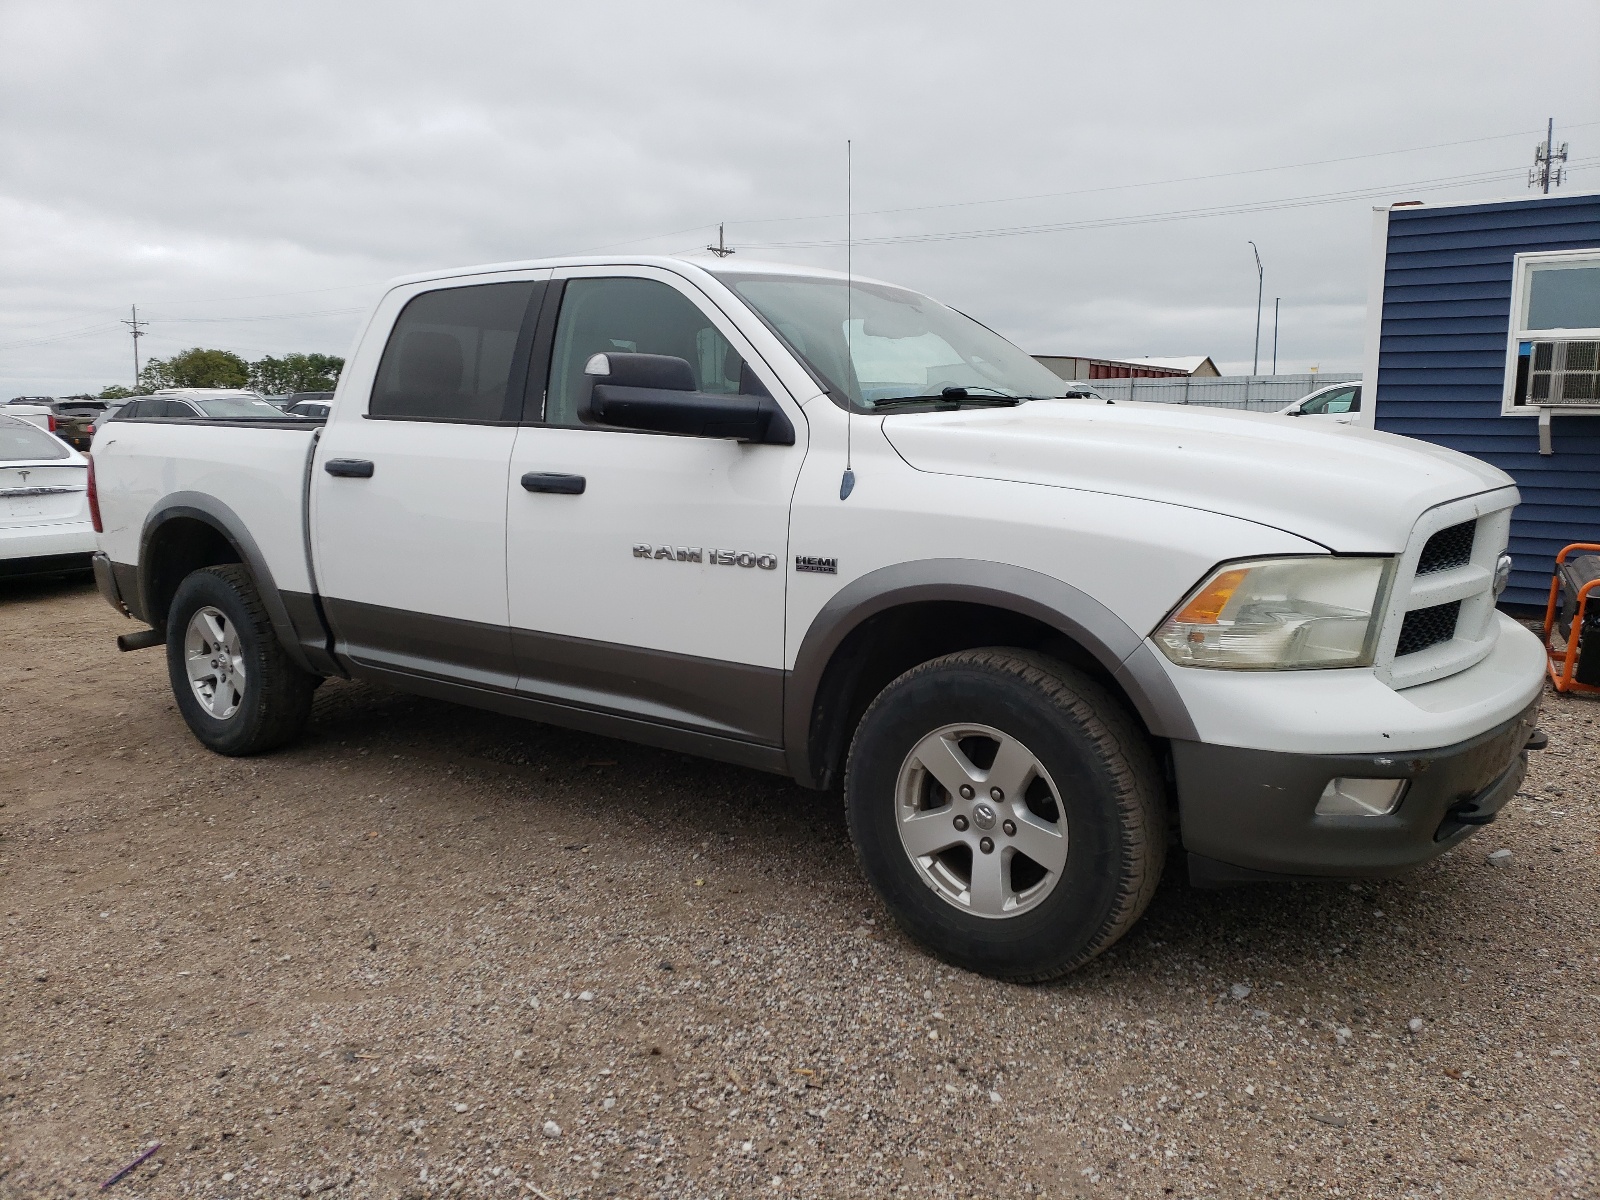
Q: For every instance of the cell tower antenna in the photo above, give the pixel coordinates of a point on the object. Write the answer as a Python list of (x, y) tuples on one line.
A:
[(721, 249), (848, 483), (136, 328), (1549, 162)]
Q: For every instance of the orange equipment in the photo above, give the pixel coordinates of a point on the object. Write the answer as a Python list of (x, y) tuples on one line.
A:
[(1571, 638)]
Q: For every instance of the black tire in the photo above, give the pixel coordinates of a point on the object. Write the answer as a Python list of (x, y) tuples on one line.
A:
[(1110, 798), (275, 700)]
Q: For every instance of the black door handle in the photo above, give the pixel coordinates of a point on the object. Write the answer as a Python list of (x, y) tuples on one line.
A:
[(353, 468), (550, 481)]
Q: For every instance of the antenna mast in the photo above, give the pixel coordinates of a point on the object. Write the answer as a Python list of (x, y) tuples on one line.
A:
[(848, 482), (1548, 161), (136, 327)]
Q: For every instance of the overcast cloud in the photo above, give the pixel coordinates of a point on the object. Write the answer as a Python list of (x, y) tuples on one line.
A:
[(250, 175)]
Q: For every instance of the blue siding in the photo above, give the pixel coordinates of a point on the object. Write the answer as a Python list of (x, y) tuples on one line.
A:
[(1442, 362)]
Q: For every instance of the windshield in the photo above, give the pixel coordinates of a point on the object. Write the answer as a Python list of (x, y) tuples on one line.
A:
[(881, 344), (238, 408), (20, 441)]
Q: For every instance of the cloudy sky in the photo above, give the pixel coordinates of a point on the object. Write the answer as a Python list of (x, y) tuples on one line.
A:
[(1083, 177)]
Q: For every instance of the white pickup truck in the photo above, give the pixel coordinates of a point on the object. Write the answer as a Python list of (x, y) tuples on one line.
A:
[(839, 531)]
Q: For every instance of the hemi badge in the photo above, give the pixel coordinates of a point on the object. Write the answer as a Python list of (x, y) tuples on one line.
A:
[(815, 565)]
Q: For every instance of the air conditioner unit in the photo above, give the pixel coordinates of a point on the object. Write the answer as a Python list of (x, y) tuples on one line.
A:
[(1558, 373)]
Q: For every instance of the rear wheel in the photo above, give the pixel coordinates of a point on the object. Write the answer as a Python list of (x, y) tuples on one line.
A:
[(233, 681), (1008, 811)]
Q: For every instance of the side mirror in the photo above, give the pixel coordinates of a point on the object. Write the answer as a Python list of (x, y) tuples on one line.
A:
[(655, 393)]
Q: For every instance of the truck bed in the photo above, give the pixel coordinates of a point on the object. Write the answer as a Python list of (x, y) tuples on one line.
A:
[(254, 470)]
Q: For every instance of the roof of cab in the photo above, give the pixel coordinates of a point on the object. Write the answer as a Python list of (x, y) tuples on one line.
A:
[(681, 264)]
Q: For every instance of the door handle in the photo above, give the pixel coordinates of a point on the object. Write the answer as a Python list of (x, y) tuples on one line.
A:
[(550, 481), (351, 468)]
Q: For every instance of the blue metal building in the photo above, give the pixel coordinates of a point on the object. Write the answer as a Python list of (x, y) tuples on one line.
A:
[(1483, 335)]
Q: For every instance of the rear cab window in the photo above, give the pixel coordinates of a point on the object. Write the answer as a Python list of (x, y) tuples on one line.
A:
[(21, 442)]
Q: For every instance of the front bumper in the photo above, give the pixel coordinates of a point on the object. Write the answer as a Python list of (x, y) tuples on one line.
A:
[(1250, 814)]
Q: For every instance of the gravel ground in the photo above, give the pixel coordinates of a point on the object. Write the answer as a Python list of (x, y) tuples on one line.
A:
[(434, 952)]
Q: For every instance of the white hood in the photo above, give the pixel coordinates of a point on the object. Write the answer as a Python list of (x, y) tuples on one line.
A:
[(1351, 490)]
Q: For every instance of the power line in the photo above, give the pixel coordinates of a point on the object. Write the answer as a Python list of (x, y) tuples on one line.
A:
[(1288, 202)]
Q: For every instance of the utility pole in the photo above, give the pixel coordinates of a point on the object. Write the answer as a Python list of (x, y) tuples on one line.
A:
[(721, 249), (136, 327), (1548, 159), (1275, 301), (1261, 277)]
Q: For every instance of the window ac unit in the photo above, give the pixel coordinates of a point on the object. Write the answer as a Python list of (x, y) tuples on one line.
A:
[(1559, 373)]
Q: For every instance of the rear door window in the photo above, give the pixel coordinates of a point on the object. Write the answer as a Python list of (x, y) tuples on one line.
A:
[(453, 353)]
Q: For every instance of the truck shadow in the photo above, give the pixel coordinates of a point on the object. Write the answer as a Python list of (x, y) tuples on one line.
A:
[(1279, 935), (25, 589)]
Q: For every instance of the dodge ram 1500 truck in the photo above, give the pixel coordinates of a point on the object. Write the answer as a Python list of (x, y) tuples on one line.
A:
[(835, 529)]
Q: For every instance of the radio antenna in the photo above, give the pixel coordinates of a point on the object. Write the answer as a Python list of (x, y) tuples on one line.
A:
[(848, 483)]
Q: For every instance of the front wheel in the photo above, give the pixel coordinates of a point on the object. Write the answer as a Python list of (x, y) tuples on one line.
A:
[(1008, 811), (234, 684)]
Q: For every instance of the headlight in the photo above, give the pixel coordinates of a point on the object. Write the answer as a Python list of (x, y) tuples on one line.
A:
[(1278, 614)]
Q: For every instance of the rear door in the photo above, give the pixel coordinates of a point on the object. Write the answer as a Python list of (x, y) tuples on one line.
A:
[(646, 569), (409, 482)]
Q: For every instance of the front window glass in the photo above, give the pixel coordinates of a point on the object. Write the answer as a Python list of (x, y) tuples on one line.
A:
[(875, 343), (237, 408), (637, 316), (20, 441)]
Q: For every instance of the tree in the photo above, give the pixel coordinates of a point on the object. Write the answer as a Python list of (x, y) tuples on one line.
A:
[(295, 373), (115, 391), (196, 368)]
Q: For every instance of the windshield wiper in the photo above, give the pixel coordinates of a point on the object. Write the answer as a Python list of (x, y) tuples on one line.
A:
[(953, 398)]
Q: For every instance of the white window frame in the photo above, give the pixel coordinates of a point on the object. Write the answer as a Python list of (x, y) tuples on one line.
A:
[(1521, 272)]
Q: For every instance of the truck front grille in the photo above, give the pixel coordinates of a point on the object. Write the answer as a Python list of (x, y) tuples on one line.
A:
[(1426, 627), (1447, 549), (1441, 616)]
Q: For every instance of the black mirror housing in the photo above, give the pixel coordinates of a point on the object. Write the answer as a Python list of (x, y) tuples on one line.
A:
[(655, 393)]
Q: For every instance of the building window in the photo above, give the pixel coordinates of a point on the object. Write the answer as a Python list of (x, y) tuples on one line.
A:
[(1553, 359)]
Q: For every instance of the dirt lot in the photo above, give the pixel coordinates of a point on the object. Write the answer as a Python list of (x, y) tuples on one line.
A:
[(394, 959)]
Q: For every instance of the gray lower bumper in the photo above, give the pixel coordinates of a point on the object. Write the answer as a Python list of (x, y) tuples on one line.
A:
[(1250, 814), (106, 580)]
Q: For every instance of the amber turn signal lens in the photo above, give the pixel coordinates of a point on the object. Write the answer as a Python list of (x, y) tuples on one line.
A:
[(1206, 607)]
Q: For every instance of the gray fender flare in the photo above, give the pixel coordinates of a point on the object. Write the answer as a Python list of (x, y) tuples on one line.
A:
[(1123, 653), (211, 511)]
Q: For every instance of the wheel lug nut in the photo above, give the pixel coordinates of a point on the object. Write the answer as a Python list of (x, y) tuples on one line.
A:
[(986, 845), (1010, 827), (966, 791), (996, 794), (961, 824)]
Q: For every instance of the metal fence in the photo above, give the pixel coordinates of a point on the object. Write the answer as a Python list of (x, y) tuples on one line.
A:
[(1257, 393)]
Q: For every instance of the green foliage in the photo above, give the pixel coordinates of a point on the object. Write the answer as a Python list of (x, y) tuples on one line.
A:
[(201, 368), (295, 373), (197, 368), (115, 391)]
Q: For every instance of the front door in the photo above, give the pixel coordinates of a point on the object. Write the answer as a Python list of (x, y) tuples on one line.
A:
[(657, 590), (409, 486)]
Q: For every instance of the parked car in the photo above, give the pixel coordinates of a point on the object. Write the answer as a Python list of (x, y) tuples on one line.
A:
[(111, 410), (207, 404), (36, 410), (279, 402), (45, 522), (1020, 636), (1338, 402), (316, 409)]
